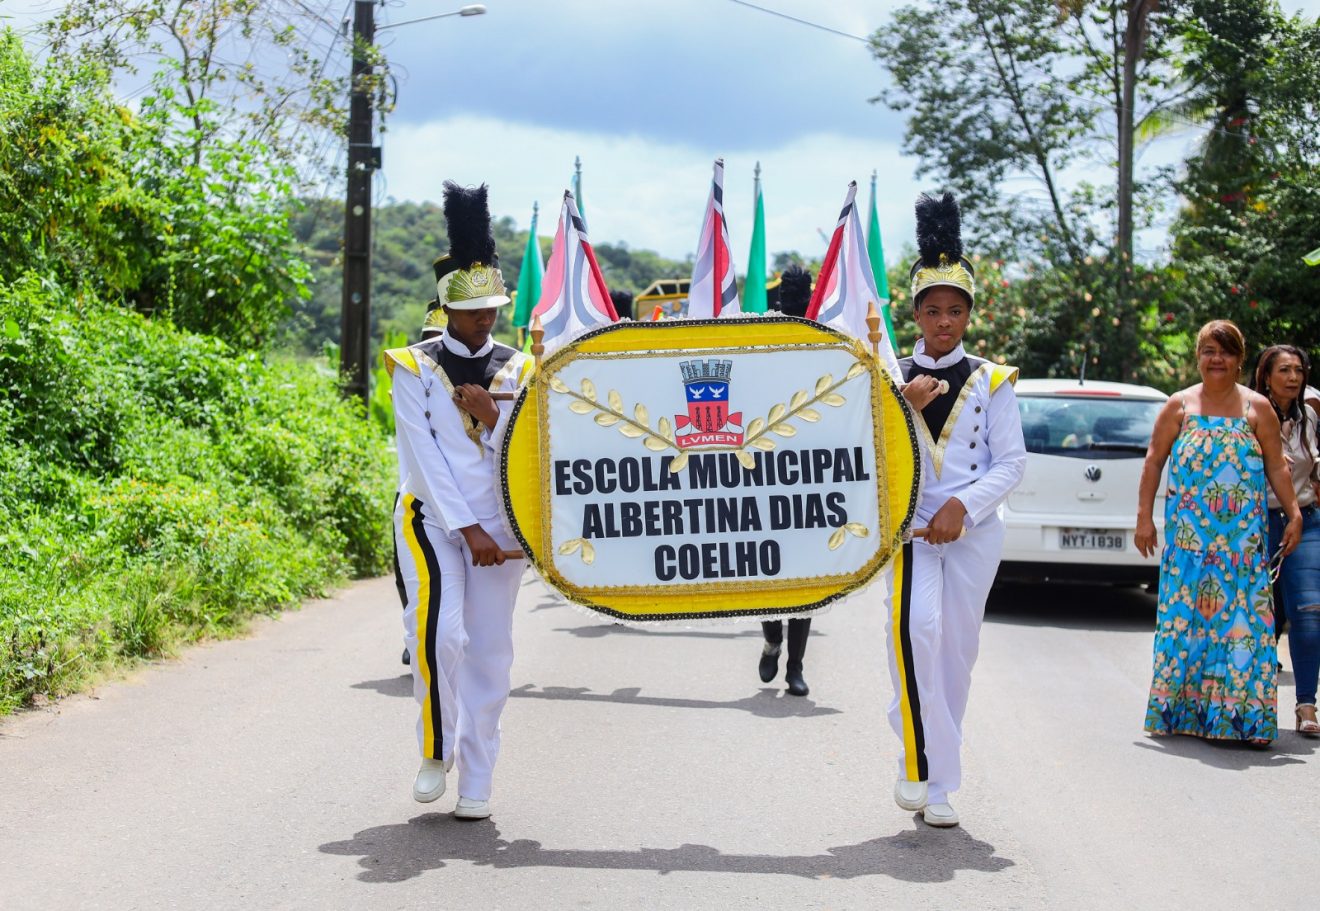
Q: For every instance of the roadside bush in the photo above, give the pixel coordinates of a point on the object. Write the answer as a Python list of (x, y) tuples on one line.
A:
[(157, 486)]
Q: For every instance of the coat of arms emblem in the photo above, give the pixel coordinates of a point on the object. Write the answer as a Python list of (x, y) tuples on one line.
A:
[(708, 421)]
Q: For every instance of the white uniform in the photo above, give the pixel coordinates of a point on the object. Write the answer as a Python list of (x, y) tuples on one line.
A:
[(979, 458), (458, 621)]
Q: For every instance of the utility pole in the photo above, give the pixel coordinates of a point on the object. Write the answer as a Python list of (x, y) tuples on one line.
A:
[(363, 158)]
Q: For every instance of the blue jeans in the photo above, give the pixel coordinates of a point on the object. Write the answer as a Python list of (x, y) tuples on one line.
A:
[(1299, 585)]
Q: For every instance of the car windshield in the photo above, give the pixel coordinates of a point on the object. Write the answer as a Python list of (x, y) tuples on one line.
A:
[(1087, 427)]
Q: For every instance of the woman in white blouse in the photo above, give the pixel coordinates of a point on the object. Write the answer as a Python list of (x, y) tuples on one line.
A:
[(1282, 374)]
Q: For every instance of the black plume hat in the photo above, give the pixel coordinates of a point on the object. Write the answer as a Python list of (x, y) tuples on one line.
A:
[(623, 304), (794, 291), (468, 276), (939, 242)]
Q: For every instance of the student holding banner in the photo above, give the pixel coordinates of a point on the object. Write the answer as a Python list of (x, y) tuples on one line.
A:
[(973, 458), (452, 544)]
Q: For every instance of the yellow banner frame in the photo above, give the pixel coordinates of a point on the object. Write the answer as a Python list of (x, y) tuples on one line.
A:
[(526, 488)]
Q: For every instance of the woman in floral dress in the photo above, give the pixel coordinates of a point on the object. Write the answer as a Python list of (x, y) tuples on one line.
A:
[(1214, 637)]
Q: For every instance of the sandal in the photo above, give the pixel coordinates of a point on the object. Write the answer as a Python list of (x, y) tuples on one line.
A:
[(1308, 726)]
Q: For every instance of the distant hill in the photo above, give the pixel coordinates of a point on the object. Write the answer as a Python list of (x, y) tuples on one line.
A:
[(408, 237)]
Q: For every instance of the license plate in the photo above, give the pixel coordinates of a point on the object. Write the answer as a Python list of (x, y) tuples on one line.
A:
[(1091, 539)]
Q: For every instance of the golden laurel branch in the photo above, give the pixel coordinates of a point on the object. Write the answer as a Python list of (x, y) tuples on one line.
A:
[(613, 413), (579, 545), (856, 529), (799, 406)]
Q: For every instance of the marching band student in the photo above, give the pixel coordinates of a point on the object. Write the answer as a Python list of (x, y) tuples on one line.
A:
[(451, 541), (794, 296), (973, 456)]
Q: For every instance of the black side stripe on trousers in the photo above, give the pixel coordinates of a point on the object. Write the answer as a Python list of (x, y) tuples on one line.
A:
[(914, 694), (432, 620)]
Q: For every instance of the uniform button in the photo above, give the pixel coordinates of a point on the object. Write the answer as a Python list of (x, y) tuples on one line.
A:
[(973, 467), (978, 409), (428, 414), (976, 428), (972, 445)]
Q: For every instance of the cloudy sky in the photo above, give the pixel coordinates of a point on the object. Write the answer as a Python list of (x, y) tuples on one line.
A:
[(648, 93)]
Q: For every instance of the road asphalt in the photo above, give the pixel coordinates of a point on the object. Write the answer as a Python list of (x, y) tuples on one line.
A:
[(648, 770)]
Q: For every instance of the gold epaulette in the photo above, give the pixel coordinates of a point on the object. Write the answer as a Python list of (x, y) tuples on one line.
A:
[(1001, 372), (403, 357), (525, 373)]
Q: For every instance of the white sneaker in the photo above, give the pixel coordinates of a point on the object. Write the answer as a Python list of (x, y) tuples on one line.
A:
[(910, 795), (939, 815), (467, 808), (430, 781)]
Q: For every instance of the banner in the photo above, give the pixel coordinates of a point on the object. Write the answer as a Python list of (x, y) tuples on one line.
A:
[(699, 469)]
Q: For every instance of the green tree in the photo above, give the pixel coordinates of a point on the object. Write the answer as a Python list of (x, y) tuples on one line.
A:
[(1005, 93), (69, 203), (1252, 188)]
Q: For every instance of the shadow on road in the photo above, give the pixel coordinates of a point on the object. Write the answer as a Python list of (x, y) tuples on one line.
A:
[(1093, 607), (1289, 749), (767, 703), (394, 853), (390, 686), (600, 630)]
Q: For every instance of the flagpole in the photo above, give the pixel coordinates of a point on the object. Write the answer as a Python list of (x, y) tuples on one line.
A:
[(875, 250), (577, 187)]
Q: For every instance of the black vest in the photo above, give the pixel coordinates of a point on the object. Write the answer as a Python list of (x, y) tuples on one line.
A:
[(956, 375)]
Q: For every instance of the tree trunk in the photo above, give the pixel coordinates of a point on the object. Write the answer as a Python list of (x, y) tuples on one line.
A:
[(1134, 41)]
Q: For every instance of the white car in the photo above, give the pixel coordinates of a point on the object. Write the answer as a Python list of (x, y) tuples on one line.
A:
[(1073, 516)]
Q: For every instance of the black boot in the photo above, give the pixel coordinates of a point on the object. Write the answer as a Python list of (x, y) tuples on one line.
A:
[(774, 634), (798, 630), (793, 677)]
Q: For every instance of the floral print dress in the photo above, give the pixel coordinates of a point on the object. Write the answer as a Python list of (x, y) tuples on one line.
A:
[(1214, 636)]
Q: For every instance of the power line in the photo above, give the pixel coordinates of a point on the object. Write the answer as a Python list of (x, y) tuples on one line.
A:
[(806, 22), (1091, 101)]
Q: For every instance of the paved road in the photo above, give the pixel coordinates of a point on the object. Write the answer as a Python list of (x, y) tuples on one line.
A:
[(646, 770)]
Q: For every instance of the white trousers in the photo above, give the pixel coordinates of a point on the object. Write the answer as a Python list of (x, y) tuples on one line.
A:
[(458, 627), (932, 647)]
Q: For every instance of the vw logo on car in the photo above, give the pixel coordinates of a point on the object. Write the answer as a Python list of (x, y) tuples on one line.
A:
[(1092, 473)]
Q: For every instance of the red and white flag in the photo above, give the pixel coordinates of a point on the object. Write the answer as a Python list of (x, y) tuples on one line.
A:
[(713, 291), (845, 288), (573, 293)]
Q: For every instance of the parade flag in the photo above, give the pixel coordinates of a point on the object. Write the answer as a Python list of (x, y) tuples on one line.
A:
[(754, 298), (714, 290), (529, 278), (574, 297), (1312, 258), (875, 250), (845, 288)]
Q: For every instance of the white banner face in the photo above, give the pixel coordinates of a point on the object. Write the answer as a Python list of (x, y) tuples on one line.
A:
[(721, 468)]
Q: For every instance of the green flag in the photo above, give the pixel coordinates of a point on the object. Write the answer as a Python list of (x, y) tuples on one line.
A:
[(1312, 258), (529, 278), (876, 252), (754, 300)]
